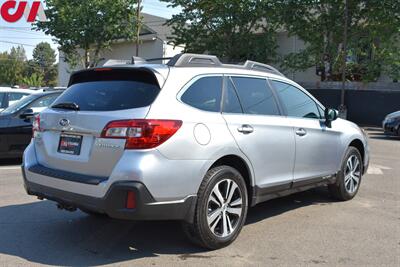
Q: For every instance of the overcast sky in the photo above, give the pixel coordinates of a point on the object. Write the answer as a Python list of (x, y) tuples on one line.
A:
[(20, 33)]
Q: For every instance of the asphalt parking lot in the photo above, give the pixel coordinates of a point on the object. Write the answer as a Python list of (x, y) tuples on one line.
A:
[(305, 229)]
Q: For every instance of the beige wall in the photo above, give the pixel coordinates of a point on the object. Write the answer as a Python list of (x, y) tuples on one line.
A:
[(293, 44)]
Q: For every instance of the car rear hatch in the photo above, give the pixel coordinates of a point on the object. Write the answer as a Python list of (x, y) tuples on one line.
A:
[(69, 136)]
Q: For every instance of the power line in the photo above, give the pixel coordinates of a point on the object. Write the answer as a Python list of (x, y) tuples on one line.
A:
[(24, 32), (8, 42), (28, 38), (15, 28)]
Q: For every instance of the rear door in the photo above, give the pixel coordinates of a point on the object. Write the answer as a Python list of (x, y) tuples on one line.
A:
[(102, 95), (316, 145), (260, 131)]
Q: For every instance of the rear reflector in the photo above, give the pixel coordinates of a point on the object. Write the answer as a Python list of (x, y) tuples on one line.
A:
[(131, 200), (141, 134)]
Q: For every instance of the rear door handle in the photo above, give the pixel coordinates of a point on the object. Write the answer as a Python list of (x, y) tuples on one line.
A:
[(301, 132), (246, 129)]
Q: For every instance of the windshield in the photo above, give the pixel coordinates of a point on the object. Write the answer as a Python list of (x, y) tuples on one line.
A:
[(19, 105)]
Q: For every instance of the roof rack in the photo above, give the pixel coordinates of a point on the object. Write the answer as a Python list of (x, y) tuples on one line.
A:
[(114, 62), (194, 60), (197, 60)]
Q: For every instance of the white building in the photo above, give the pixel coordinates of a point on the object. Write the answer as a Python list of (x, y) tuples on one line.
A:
[(153, 38)]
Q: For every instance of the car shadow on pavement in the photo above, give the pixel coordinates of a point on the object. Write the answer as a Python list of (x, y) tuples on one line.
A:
[(318, 196), (382, 136), (40, 234), (8, 162)]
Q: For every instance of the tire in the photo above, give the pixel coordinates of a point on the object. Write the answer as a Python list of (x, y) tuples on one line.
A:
[(226, 219), (349, 178)]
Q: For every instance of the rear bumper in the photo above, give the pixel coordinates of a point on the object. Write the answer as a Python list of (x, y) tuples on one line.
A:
[(114, 202)]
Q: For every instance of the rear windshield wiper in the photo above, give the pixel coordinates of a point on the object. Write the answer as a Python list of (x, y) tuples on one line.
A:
[(72, 106)]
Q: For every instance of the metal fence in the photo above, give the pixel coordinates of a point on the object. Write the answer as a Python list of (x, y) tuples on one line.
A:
[(364, 107)]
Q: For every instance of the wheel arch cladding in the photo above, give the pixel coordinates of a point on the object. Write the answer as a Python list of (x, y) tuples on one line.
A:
[(357, 143), (241, 166)]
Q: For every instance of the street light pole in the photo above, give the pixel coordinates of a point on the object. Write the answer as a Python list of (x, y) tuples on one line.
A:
[(342, 108), (138, 26)]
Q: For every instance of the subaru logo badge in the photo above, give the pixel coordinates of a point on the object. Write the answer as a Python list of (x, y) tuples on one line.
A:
[(64, 122)]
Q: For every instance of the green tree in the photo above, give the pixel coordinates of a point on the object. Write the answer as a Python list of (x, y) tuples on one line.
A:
[(12, 66), (90, 25), (373, 31), (44, 58), (234, 30), (34, 80)]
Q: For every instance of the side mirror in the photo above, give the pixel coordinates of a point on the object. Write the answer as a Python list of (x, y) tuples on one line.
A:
[(27, 114), (330, 115)]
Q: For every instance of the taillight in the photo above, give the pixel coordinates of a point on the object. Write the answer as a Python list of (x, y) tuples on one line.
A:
[(141, 134), (36, 125)]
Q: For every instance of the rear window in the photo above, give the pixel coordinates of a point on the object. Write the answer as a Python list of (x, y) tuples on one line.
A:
[(109, 90)]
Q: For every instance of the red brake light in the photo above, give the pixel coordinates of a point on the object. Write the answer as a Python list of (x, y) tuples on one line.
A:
[(142, 134), (103, 69), (36, 125), (130, 200)]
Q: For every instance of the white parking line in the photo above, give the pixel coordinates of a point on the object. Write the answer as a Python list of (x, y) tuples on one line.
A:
[(10, 168), (377, 169)]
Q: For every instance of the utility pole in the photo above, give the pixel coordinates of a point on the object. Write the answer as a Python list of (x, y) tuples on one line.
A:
[(342, 108), (138, 24)]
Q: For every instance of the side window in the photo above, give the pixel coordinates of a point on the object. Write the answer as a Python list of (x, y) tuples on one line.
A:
[(297, 103), (204, 94), (43, 102), (256, 96), (231, 100), (2, 95), (14, 97)]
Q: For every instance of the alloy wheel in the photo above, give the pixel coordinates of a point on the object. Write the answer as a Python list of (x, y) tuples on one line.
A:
[(352, 174), (224, 208)]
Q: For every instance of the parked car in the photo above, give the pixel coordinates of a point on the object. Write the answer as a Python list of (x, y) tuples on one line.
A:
[(391, 124), (16, 123), (9, 96), (194, 140)]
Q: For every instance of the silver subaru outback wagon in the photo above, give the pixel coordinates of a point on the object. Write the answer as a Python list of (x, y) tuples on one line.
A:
[(194, 140)]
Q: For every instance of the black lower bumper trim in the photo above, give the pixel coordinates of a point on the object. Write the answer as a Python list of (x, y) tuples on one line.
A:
[(68, 176), (113, 203)]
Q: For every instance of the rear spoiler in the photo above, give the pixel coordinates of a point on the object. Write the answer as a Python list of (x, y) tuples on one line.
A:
[(145, 74)]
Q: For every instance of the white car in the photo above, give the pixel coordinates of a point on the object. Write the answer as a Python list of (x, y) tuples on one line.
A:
[(9, 96), (195, 140)]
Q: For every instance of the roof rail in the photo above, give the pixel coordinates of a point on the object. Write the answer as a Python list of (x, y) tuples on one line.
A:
[(138, 60), (134, 60), (197, 60), (112, 62), (194, 60), (253, 65)]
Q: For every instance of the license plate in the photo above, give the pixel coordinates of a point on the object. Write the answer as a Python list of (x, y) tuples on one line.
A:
[(70, 144)]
